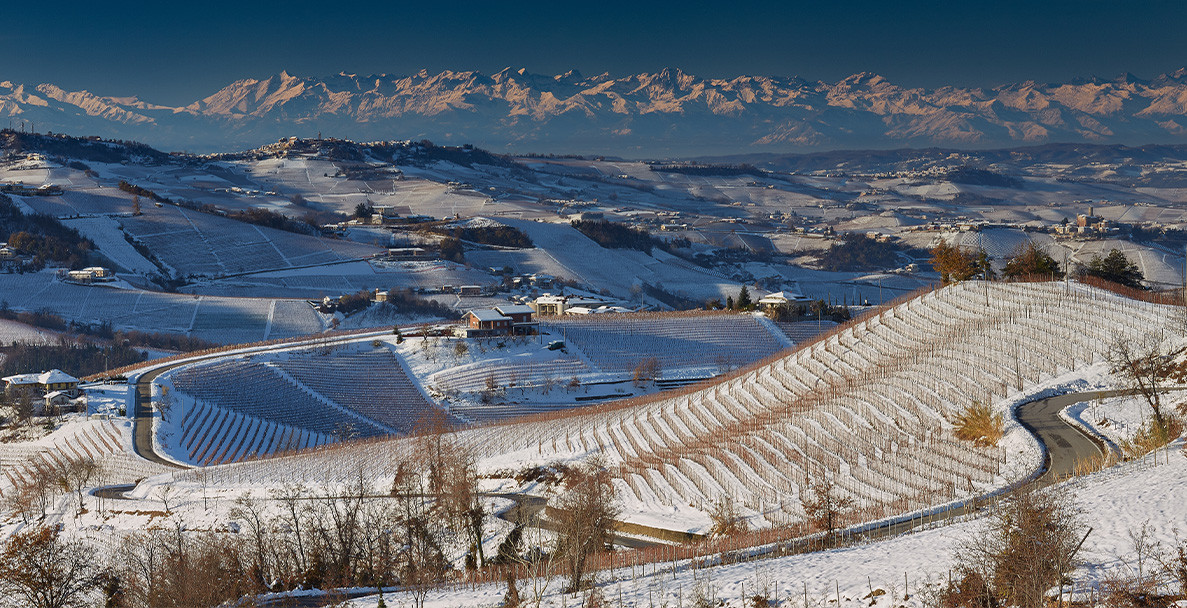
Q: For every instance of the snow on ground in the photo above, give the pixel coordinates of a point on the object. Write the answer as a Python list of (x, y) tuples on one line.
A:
[(109, 238), (1114, 503), (349, 277), (218, 319), (107, 399), (15, 331), (563, 251)]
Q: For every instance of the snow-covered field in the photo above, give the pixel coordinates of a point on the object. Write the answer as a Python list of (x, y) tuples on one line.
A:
[(15, 331), (348, 277), (194, 243), (869, 406), (564, 252), (223, 320), (245, 406), (909, 569)]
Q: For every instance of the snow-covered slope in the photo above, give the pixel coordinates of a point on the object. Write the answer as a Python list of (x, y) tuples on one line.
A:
[(868, 407)]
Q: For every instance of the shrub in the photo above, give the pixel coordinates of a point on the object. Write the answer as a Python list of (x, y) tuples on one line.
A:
[(978, 423), (1028, 545), (726, 519), (1152, 436)]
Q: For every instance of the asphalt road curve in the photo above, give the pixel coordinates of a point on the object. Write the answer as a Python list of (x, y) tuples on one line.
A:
[(142, 418), (1066, 444)]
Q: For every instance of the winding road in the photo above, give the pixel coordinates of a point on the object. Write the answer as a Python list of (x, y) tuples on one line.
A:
[(1064, 446), (142, 417)]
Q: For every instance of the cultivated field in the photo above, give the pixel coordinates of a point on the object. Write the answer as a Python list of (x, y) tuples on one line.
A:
[(869, 407), (224, 320)]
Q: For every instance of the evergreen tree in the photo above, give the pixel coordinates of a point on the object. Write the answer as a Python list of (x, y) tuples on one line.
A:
[(1117, 268), (744, 302), (1031, 260)]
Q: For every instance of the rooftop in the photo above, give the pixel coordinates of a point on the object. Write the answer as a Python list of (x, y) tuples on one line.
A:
[(485, 314)]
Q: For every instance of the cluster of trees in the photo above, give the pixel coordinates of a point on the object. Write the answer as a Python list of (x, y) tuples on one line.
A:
[(708, 170), (43, 237), (77, 359), (1030, 261), (310, 223), (406, 301), (403, 300), (349, 303), (104, 331), (357, 535), (452, 249), (981, 177), (744, 301), (501, 236), (86, 148), (135, 190), (1115, 267), (859, 252), (614, 235)]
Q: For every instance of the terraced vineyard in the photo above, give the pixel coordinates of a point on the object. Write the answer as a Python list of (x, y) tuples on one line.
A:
[(867, 407), (240, 407)]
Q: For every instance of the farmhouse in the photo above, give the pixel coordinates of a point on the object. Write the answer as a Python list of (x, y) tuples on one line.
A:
[(486, 322), (782, 298), (91, 274), (549, 304), (44, 382), (521, 318), (11, 257), (508, 319)]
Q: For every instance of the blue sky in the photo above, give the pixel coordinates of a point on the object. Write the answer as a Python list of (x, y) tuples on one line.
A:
[(171, 52)]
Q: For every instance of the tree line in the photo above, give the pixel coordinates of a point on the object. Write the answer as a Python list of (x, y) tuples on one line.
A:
[(360, 534), (43, 237), (1030, 261), (615, 235)]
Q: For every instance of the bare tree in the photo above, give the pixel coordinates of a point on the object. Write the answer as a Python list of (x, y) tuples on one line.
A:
[(727, 521), (647, 370), (293, 519), (422, 562), (73, 475), (825, 507), (586, 510), (1146, 366), (165, 403), (1028, 545), (251, 513), (41, 570)]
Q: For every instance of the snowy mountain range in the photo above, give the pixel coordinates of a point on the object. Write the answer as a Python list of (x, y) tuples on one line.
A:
[(650, 114)]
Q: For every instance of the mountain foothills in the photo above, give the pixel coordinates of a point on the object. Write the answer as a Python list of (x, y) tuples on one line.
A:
[(664, 113)]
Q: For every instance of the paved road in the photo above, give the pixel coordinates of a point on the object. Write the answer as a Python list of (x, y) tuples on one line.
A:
[(142, 417), (1066, 444)]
